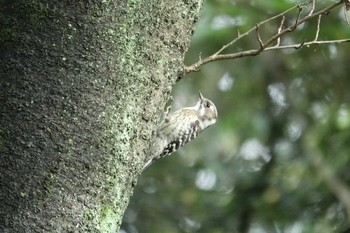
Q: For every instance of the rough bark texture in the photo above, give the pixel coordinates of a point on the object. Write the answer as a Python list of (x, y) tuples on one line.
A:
[(82, 84)]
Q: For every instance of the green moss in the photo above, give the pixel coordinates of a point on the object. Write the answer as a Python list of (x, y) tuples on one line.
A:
[(107, 222), (88, 216), (37, 11), (104, 221), (6, 34), (137, 49), (23, 194), (50, 180)]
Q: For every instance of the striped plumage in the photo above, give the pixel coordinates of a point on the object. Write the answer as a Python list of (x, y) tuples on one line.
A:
[(180, 127)]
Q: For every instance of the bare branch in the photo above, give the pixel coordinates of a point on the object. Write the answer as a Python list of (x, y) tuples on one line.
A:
[(240, 36), (312, 7), (265, 46), (297, 19), (298, 46), (279, 30), (318, 27), (259, 37)]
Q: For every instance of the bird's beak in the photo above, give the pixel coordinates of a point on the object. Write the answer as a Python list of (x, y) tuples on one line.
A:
[(200, 96)]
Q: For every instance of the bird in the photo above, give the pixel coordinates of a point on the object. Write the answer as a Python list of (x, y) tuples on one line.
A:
[(180, 127)]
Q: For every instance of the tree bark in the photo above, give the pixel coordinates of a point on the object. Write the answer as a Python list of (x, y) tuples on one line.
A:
[(82, 86)]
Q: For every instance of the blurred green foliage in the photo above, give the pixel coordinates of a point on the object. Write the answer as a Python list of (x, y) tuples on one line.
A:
[(279, 112)]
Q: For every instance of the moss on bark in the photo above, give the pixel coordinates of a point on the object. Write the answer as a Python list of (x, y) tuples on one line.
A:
[(82, 85)]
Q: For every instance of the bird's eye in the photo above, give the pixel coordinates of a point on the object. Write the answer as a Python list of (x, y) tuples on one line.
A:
[(207, 104)]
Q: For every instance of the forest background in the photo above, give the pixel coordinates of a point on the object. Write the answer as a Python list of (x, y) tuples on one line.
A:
[(278, 158)]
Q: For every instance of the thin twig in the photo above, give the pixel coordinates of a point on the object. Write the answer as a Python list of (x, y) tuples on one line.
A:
[(279, 30), (318, 27), (265, 46), (309, 43), (258, 37), (296, 23), (252, 29), (312, 7), (255, 52)]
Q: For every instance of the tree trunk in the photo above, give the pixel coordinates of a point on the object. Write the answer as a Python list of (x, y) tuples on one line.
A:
[(82, 86)]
